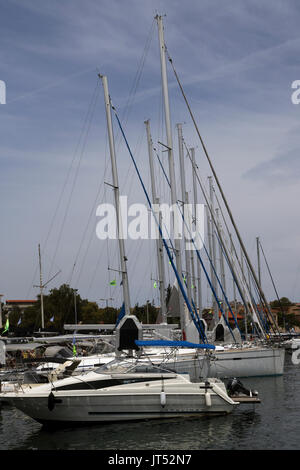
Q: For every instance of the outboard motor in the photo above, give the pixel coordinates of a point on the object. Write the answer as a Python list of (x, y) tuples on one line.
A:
[(235, 387)]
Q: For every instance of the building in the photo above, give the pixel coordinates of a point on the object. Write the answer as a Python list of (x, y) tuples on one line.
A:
[(20, 304), (293, 309)]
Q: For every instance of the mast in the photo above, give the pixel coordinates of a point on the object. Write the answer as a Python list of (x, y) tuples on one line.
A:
[(213, 250), (258, 261), (123, 258), (221, 255), (249, 287), (170, 158), (199, 290), (41, 290), (159, 244), (233, 281), (184, 202), (1, 295), (191, 254)]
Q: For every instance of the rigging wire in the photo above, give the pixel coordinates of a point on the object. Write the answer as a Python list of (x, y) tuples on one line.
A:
[(244, 280), (64, 186), (217, 278), (89, 120), (163, 239), (268, 311), (273, 283)]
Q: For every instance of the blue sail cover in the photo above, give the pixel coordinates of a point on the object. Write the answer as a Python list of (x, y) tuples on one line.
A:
[(121, 315), (174, 344)]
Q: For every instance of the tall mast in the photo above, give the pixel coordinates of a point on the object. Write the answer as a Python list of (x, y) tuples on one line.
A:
[(258, 261), (184, 202), (159, 244), (170, 157), (41, 290), (213, 249), (1, 295), (233, 280), (123, 258), (199, 290), (191, 255), (221, 255)]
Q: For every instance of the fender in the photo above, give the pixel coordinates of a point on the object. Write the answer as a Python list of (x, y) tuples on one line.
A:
[(52, 401)]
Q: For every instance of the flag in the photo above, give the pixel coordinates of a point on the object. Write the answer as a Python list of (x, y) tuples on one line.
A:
[(113, 283), (74, 347), (6, 327)]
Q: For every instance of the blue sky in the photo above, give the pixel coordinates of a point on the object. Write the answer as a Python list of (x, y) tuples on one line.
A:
[(237, 61)]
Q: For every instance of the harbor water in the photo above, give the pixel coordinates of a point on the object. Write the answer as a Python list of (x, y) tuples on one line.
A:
[(274, 424)]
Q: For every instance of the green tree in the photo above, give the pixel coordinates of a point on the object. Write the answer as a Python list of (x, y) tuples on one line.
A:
[(145, 313), (108, 315), (59, 305), (285, 319), (90, 313)]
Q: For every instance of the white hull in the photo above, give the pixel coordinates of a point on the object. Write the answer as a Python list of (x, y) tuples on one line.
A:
[(162, 398), (235, 362), (249, 362), (93, 409)]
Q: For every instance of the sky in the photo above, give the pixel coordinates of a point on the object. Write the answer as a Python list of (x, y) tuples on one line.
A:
[(236, 60)]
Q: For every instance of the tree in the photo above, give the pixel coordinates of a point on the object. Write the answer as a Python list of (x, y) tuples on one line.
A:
[(59, 308), (90, 313), (145, 313), (108, 315), (285, 319)]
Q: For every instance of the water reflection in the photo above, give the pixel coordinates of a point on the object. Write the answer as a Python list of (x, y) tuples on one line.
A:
[(193, 434)]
